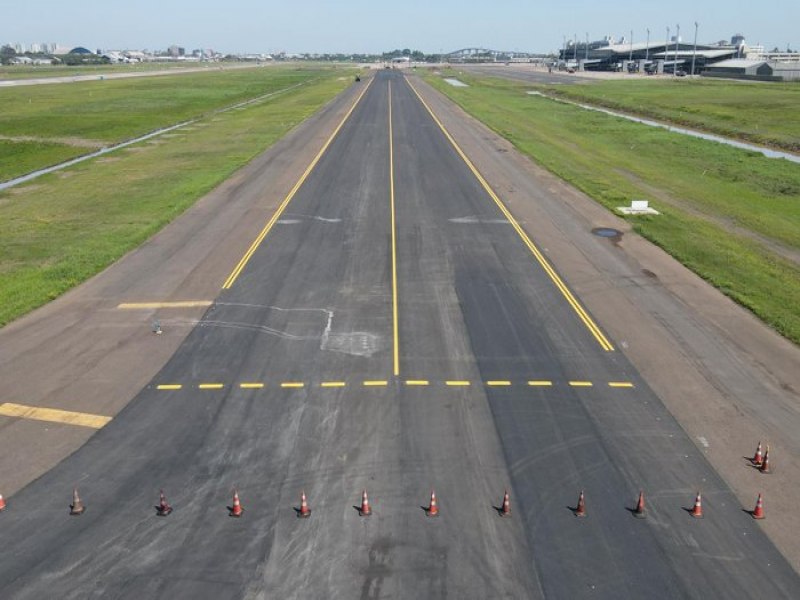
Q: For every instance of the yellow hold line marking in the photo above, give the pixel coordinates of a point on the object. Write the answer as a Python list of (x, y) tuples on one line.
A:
[(260, 238), (457, 383), (395, 326), (154, 305), (498, 383), (53, 415), (292, 384), (251, 386), (332, 384), (376, 383), (559, 283), (540, 383), (417, 382), (210, 386), (581, 383), (169, 386), (620, 384)]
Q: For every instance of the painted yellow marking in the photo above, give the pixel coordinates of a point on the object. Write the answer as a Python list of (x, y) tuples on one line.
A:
[(395, 326), (332, 384), (456, 383), (498, 383), (540, 383), (169, 386), (53, 415), (210, 386), (153, 305), (251, 386), (260, 238), (292, 384), (376, 383), (580, 383), (559, 283), (620, 384), (417, 382)]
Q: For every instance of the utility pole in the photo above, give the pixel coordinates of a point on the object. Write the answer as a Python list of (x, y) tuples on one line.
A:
[(647, 47), (575, 46), (677, 41), (587, 46), (666, 52), (630, 53), (694, 54)]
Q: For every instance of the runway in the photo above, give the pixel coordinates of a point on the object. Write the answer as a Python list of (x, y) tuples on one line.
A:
[(393, 329)]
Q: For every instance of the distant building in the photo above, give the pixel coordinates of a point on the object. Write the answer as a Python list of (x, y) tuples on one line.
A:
[(741, 68)]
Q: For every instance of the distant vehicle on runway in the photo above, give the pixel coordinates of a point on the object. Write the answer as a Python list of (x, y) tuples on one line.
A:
[(358, 78)]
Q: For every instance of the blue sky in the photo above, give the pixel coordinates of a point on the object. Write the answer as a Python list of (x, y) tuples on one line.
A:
[(364, 26)]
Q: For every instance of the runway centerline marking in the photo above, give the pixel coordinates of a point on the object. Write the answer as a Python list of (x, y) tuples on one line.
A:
[(376, 383), (417, 382), (292, 384), (251, 386), (498, 383), (332, 384), (554, 277), (581, 383), (457, 383), (395, 326), (540, 383), (53, 415), (260, 238), (169, 386), (620, 384), (210, 386)]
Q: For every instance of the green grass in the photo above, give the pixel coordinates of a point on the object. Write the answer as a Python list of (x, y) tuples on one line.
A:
[(59, 231), (19, 158), (43, 71), (761, 113), (710, 195)]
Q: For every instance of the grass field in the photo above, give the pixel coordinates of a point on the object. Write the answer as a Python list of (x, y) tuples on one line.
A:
[(18, 158), (42, 71), (756, 112), (64, 227), (113, 111), (731, 216)]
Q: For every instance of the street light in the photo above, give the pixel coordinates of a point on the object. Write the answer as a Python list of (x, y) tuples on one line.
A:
[(677, 40), (694, 54), (647, 47), (630, 54), (666, 52), (587, 46)]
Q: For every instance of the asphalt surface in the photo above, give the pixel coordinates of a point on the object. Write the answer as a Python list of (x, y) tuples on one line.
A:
[(313, 306), (526, 73)]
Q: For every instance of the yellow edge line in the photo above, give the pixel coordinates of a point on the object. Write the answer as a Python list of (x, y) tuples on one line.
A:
[(620, 384), (498, 383), (579, 310), (210, 386), (257, 242), (457, 383), (581, 383), (375, 383), (169, 386), (251, 386), (53, 415), (395, 326), (332, 384), (292, 384), (151, 305), (540, 383), (417, 382)]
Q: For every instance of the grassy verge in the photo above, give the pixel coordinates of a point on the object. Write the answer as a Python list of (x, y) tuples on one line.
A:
[(43, 71), (66, 227), (724, 210), (23, 157), (758, 113)]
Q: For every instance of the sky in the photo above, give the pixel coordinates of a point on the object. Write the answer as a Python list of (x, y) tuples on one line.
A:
[(362, 26)]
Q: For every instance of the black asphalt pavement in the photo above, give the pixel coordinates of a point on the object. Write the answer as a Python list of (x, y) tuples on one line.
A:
[(500, 386)]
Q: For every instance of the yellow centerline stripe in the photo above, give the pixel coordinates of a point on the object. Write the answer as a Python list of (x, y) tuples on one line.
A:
[(53, 415), (210, 386), (152, 305), (620, 384), (169, 386), (580, 383), (456, 383), (540, 383), (251, 386), (395, 326), (292, 384), (498, 383), (579, 310), (376, 383), (417, 382), (257, 242), (332, 384)]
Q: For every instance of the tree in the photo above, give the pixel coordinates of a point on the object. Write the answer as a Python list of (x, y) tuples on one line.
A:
[(6, 54)]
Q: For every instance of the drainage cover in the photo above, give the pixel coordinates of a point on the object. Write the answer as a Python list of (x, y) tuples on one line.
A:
[(606, 232)]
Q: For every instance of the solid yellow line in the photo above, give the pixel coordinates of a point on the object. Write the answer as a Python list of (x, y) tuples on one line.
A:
[(260, 238), (169, 386), (498, 383), (580, 383), (292, 384), (417, 382), (251, 386), (620, 384), (540, 383), (53, 415), (152, 305), (395, 326), (573, 302), (375, 383), (332, 384), (457, 383)]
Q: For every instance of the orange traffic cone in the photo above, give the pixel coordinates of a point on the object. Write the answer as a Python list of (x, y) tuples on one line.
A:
[(304, 511), (640, 513), (235, 509), (433, 508), (505, 509), (163, 508), (2, 502), (758, 511), (697, 510), (365, 509), (757, 457), (764, 468), (580, 510), (77, 507)]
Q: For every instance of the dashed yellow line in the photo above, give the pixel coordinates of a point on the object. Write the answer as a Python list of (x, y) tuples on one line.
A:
[(540, 383), (376, 383), (210, 386), (251, 386), (255, 385), (581, 383), (154, 305), (53, 415), (292, 384), (413, 382), (169, 386), (620, 384), (559, 283), (457, 383), (332, 384), (498, 383), (260, 238)]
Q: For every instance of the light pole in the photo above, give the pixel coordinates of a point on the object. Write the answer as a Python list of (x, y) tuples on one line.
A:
[(694, 54), (647, 47), (587, 46), (575, 46), (630, 53), (666, 52)]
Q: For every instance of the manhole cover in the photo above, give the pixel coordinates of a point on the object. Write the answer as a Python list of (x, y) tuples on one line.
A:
[(606, 232)]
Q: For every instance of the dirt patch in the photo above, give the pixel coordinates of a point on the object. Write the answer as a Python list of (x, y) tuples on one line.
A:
[(66, 141)]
